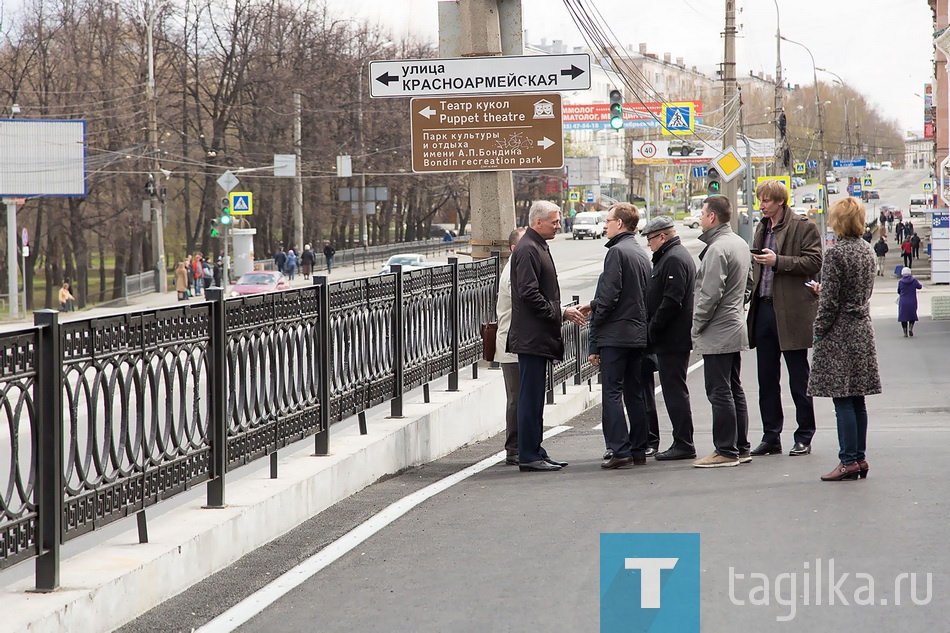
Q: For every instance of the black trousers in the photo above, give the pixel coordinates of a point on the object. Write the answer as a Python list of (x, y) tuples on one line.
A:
[(673, 368), (730, 415), (622, 386), (649, 404), (768, 356), (512, 387), (533, 374), (908, 259)]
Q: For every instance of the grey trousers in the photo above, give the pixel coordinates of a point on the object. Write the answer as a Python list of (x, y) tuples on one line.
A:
[(512, 387)]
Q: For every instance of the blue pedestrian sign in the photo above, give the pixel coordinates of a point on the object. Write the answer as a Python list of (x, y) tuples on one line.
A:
[(813, 164), (242, 203), (868, 181), (700, 172), (677, 118)]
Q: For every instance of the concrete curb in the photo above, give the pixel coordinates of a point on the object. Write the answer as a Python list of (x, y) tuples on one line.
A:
[(113, 583)]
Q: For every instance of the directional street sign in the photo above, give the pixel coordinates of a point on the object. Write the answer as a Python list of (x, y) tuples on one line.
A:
[(479, 75), (812, 164), (700, 172), (487, 133), (849, 162), (242, 203)]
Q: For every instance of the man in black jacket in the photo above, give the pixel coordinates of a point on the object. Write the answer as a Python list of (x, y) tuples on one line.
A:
[(535, 332), (880, 249), (619, 337), (670, 318)]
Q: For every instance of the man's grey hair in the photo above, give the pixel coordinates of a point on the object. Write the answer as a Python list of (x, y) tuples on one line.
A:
[(541, 209)]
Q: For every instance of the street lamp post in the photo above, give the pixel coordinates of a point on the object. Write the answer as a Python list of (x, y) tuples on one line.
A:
[(847, 108), (157, 211), (823, 163), (779, 93)]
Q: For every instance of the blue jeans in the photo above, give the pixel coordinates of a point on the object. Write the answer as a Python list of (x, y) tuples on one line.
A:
[(852, 417), (198, 284)]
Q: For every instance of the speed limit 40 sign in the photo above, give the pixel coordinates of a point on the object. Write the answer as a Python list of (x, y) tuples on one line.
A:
[(647, 150)]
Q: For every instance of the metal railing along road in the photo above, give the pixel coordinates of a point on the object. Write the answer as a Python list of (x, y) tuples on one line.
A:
[(374, 254), (140, 284), (104, 417)]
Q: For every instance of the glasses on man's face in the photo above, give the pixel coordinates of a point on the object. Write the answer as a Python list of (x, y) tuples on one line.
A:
[(653, 237), (611, 220)]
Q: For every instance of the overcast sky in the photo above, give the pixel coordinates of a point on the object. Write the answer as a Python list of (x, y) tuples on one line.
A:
[(882, 48)]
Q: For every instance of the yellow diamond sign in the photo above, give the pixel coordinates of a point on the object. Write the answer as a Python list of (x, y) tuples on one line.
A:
[(728, 164)]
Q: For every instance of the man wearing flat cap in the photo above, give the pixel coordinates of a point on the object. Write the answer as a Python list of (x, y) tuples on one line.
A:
[(669, 321)]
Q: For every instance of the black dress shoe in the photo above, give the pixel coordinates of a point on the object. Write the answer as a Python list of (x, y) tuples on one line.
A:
[(800, 449), (511, 461), (675, 453), (650, 452), (608, 454), (766, 449), (615, 463), (549, 460), (538, 466), (639, 460)]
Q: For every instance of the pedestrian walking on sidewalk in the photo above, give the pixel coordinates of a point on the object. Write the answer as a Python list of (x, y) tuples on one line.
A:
[(880, 249), (907, 289), (844, 361), (915, 244), (907, 252), (900, 231), (328, 253), (181, 280)]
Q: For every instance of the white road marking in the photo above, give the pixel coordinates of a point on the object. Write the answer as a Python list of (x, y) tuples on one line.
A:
[(659, 389), (273, 591)]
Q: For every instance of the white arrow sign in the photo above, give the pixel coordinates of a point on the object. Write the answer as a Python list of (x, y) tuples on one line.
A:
[(427, 113), (479, 75), (545, 142)]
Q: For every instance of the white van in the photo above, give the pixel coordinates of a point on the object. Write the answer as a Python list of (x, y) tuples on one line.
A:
[(588, 224), (918, 204)]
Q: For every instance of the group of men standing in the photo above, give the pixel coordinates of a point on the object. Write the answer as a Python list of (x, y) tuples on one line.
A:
[(669, 308)]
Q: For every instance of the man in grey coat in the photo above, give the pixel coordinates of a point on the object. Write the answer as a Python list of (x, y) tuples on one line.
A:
[(719, 332), (619, 337)]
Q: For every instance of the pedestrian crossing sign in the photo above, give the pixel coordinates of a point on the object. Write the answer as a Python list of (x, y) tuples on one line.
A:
[(800, 168), (677, 118), (575, 196), (242, 203), (667, 187), (868, 181)]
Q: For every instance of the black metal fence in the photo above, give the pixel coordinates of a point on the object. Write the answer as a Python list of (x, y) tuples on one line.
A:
[(104, 417)]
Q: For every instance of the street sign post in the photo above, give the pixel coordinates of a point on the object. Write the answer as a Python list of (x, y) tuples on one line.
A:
[(700, 172), (228, 181), (479, 75), (487, 133), (242, 203), (867, 181)]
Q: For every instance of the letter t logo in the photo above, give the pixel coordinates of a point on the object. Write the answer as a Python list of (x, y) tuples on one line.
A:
[(650, 578)]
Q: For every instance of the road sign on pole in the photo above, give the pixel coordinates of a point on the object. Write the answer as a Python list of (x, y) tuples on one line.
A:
[(479, 75), (242, 203), (487, 133)]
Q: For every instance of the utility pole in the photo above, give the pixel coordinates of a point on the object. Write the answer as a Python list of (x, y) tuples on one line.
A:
[(298, 180), (485, 28), (729, 94), (158, 221)]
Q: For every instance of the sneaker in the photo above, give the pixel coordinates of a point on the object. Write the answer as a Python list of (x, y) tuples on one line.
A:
[(715, 460), (745, 458)]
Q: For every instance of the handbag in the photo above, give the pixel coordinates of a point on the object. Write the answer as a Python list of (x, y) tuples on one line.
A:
[(488, 331)]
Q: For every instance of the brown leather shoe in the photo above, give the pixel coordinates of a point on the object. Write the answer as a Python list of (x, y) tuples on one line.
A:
[(843, 473), (863, 464), (617, 463)]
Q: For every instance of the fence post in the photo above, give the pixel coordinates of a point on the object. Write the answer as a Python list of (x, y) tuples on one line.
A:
[(399, 346), (48, 450), (219, 399), (497, 256), (454, 310), (581, 354), (321, 441)]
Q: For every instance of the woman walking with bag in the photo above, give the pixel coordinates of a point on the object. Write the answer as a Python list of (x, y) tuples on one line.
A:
[(844, 364), (907, 289)]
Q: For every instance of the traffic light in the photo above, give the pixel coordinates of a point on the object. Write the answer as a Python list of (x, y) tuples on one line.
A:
[(616, 109), (714, 185), (225, 211), (214, 227)]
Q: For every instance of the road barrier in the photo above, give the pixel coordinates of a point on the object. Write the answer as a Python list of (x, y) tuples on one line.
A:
[(104, 417)]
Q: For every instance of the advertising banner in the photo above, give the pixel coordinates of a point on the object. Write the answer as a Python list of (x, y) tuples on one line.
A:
[(595, 116)]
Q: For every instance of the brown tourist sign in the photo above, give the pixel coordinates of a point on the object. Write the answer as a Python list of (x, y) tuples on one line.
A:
[(503, 132)]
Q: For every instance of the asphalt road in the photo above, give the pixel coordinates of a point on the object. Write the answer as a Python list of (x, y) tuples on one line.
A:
[(506, 551)]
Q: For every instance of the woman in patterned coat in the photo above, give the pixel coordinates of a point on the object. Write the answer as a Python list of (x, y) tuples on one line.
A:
[(844, 365)]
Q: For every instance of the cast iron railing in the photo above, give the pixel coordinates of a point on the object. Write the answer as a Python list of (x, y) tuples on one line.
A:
[(104, 417)]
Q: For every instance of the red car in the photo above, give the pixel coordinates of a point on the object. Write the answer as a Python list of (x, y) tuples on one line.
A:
[(259, 281)]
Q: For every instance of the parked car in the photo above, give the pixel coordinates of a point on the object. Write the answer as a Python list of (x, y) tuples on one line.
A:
[(684, 147), (408, 261), (588, 224), (832, 187), (831, 176), (692, 220), (809, 198), (797, 181), (259, 281)]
